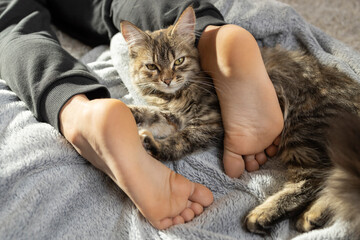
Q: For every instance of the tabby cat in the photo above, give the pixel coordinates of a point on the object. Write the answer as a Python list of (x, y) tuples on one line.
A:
[(184, 116)]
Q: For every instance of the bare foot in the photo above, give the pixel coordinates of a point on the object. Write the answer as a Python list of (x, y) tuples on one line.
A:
[(250, 109), (104, 132), (235, 164)]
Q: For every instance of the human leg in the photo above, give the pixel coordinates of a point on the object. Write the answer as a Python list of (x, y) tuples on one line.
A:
[(33, 63), (251, 112), (105, 133), (45, 77)]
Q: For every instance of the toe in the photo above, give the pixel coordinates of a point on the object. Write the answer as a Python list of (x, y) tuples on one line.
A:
[(277, 141), (178, 220), (261, 158), (271, 150), (188, 214), (201, 195), (233, 164), (197, 208), (250, 163), (163, 224)]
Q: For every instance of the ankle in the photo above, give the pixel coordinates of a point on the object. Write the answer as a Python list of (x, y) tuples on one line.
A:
[(69, 116)]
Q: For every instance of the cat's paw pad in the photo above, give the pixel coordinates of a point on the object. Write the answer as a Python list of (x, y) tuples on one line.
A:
[(310, 220), (258, 222), (149, 142)]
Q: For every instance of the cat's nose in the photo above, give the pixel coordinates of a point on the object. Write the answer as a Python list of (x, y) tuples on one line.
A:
[(167, 81)]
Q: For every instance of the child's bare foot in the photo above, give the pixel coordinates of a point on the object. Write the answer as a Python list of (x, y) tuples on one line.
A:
[(250, 109), (104, 132)]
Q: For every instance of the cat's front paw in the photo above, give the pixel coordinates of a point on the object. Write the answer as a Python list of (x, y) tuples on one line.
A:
[(149, 142), (258, 221)]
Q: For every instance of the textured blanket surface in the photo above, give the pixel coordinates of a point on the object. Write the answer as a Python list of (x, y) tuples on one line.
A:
[(47, 191)]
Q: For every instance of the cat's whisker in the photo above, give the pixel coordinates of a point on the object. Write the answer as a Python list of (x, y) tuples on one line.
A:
[(208, 85), (203, 79), (144, 84), (207, 76), (203, 74), (204, 89), (202, 83), (226, 86)]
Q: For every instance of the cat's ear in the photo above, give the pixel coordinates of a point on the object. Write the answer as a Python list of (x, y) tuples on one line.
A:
[(132, 34), (185, 26)]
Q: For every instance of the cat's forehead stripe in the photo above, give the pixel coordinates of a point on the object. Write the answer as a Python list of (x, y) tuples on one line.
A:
[(162, 51), (165, 49)]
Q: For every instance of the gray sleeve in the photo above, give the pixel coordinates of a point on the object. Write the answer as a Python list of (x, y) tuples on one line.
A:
[(153, 15), (35, 66)]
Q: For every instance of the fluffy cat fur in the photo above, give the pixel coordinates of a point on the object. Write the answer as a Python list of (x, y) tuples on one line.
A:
[(184, 116), (311, 96), (343, 184)]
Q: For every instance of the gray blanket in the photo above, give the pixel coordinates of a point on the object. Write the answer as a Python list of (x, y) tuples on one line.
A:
[(47, 191)]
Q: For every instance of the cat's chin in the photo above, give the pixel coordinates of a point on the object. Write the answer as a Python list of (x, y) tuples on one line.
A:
[(171, 89)]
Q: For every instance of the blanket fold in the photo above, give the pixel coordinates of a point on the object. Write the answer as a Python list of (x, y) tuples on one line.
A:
[(47, 191)]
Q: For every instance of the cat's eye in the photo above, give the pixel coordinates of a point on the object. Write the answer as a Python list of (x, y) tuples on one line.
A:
[(179, 61), (151, 67)]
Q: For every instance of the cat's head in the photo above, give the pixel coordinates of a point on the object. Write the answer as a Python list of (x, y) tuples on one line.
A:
[(163, 60)]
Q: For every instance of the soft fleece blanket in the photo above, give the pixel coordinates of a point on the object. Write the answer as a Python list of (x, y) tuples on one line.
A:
[(48, 191)]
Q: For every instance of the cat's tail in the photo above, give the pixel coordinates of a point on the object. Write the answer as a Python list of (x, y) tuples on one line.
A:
[(343, 184)]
